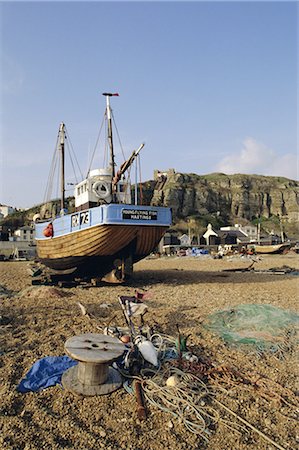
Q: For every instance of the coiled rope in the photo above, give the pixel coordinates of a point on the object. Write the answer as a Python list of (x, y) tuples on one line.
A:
[(185, 401)]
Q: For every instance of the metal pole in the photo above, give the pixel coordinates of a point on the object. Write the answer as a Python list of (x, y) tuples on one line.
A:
[(136, 184), (110, 138), (62, 175)]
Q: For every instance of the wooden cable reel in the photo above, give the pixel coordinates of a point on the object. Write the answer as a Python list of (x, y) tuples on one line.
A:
[(92, 375)]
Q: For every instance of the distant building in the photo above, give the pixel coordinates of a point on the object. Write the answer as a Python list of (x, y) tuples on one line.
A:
[(226, 235), (210, 236), (161, 178), (25, 233), (185, 239), (232, 237), (6, 210), (4, 233), (250, 231), (170, 238), (165, 173)]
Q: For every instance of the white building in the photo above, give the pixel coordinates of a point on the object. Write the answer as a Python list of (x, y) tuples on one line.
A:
[(25, 233), (249, 231), (185, 240), (210, 232), (6, 210)]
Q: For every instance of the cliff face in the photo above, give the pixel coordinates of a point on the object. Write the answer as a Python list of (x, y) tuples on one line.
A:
[(230, 196)]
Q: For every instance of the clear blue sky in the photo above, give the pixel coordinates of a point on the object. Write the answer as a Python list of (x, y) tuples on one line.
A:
[(209, 86)]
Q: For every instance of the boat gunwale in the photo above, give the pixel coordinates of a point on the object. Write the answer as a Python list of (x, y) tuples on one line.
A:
[(41, 239)]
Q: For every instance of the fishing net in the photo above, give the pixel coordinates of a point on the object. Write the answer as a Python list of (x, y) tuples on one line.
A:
[(263, 326)]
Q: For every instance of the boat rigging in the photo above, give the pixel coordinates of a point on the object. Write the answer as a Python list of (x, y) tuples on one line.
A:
[(106, 234)]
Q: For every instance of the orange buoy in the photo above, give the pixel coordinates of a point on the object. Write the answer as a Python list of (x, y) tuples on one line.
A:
[(48, 231)]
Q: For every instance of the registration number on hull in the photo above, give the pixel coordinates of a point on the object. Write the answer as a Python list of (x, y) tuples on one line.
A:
[(81, 218)]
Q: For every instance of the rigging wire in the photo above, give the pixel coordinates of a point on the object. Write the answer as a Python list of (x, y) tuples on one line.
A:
[(95, 147), (117, 133), (49, 185), (72, 152), (53, 178), (72, 163)]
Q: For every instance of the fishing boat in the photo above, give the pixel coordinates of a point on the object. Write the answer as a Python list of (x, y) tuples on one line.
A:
[(261, 248), (273, 248), (106, 234)]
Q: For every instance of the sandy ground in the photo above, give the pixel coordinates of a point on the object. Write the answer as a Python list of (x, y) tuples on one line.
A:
[(184, 291)]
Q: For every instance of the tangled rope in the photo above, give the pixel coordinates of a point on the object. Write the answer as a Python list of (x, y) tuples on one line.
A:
[(189, 401), (186, 400), (228, 379)]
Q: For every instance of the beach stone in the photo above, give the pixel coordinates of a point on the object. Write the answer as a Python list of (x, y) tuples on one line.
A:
[(170, 424), (268, 422)]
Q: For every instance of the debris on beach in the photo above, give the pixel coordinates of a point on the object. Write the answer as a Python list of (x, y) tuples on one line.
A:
[(5, 293), (43, 292), (284, 270), (250, 268), (265, 327), (164, 372), (4, 320)]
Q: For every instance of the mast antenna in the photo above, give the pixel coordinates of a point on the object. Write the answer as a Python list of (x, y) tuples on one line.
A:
[(110, 137), (62, 174)]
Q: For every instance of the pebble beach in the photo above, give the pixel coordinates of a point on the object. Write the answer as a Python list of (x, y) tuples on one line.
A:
[(37, 320)]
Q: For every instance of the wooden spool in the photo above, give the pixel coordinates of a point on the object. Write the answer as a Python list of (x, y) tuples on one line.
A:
[(92, 375)]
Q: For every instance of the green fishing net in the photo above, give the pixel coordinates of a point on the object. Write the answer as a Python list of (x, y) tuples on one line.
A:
[(263, 326)]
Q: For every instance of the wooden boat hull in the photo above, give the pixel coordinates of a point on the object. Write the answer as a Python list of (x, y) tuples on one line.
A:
[(97, 240), (271, 249), (95, 250)]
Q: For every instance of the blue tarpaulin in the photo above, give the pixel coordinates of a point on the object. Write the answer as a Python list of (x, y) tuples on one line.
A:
[(45, 372)]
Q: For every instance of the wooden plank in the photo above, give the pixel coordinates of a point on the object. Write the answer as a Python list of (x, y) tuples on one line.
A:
[(94, 242), (101, 241), (98, 242)]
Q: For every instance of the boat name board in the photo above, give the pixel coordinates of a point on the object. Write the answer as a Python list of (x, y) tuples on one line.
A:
[(81, 218), (139, 214)]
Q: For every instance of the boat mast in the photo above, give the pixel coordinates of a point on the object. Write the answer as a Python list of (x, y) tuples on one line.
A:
[(62, 175), (110, 138)]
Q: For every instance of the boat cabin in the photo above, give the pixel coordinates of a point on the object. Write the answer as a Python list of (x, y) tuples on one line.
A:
[(96, 190)]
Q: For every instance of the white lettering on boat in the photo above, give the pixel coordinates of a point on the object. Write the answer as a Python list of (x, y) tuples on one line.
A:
[(139, 214), (81, 218)]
